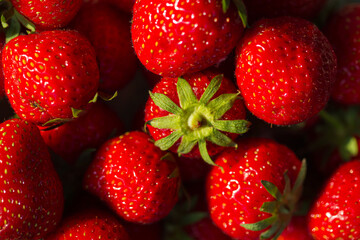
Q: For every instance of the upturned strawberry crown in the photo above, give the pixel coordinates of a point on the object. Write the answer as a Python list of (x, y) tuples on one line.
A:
[(197, 121), (282, 208)]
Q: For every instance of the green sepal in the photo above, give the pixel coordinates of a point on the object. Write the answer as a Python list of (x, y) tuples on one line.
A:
[(213, 87), (108, 97), (76, 112), (186, 145), (242, 12), (272, 189), (273, 229), (225, 5), (167, 122), (222, 104), (4, 23), (299, 182), (350, 149), (25, 22), (204, 152), (269, 207), (221, 139), (166, 142), (261, 225), (95, 98), (185, 93), (53, 123), (192, 218), (13, 30), (165, 103), (235, 126)]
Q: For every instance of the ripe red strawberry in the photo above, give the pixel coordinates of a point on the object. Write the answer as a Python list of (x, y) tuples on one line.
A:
[(134, 178), (172, 38), (259, 182), (285, 70), (342, 31), (109, 32), (50, 74), (31, 195), (48, 14), (336, 213), (90, 130), (274, 8), (297, 229), (90, 223), (195, 110)]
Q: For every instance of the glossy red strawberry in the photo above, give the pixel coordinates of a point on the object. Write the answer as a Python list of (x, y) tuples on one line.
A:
[(90, 130), (172, 38), (342, 31), (190, 114), (90, 223), (297, 229), (259, 182), (336, 213), (109, 32), (31, 195), (48, 14), (50, 74), (285, 70), (134, 178), (274, 8)]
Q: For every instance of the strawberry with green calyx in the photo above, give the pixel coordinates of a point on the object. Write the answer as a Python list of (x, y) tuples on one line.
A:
[(162, 40), (31, 194), (195, 110), (50, 76), (336, 212), (254, 193), (286, 69), (134, 178)]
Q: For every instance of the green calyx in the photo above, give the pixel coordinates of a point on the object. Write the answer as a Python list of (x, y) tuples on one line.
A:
[(197, 121), (282, 208), (240, 7), (12, 20)]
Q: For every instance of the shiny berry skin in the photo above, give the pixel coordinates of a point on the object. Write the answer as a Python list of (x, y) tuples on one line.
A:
[(48, 14), (31, 194), (336, 212), (90, 130), (108, 30), (172, 38), (48, 74), (130, 176), (90, 223), (275, 8), (235, 194), (199, 82), (286, 69), (343, 34)]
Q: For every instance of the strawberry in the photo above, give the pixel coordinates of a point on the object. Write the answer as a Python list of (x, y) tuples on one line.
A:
[(285, 70), (90, 223), (195, 110), (48, 76), (172, 38), (31, 195), (90, 130), (274, 8), (48, 14), (336, 212), (254, 191), (134, 178), (297, 229), (342, 31), (109, 32)]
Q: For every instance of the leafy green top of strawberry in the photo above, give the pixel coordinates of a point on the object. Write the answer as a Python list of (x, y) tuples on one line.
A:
[(196, 121)]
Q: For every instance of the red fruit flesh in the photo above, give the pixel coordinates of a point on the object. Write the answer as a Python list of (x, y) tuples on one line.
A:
[(90, 130), (48, 14), (343, 34), (275, 8), (130, 176), (235, 193), (173, 38), (199, 82), (285, 70), (109, 32), (48, 74), (336, 213), (90, 224), (31, 195)]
